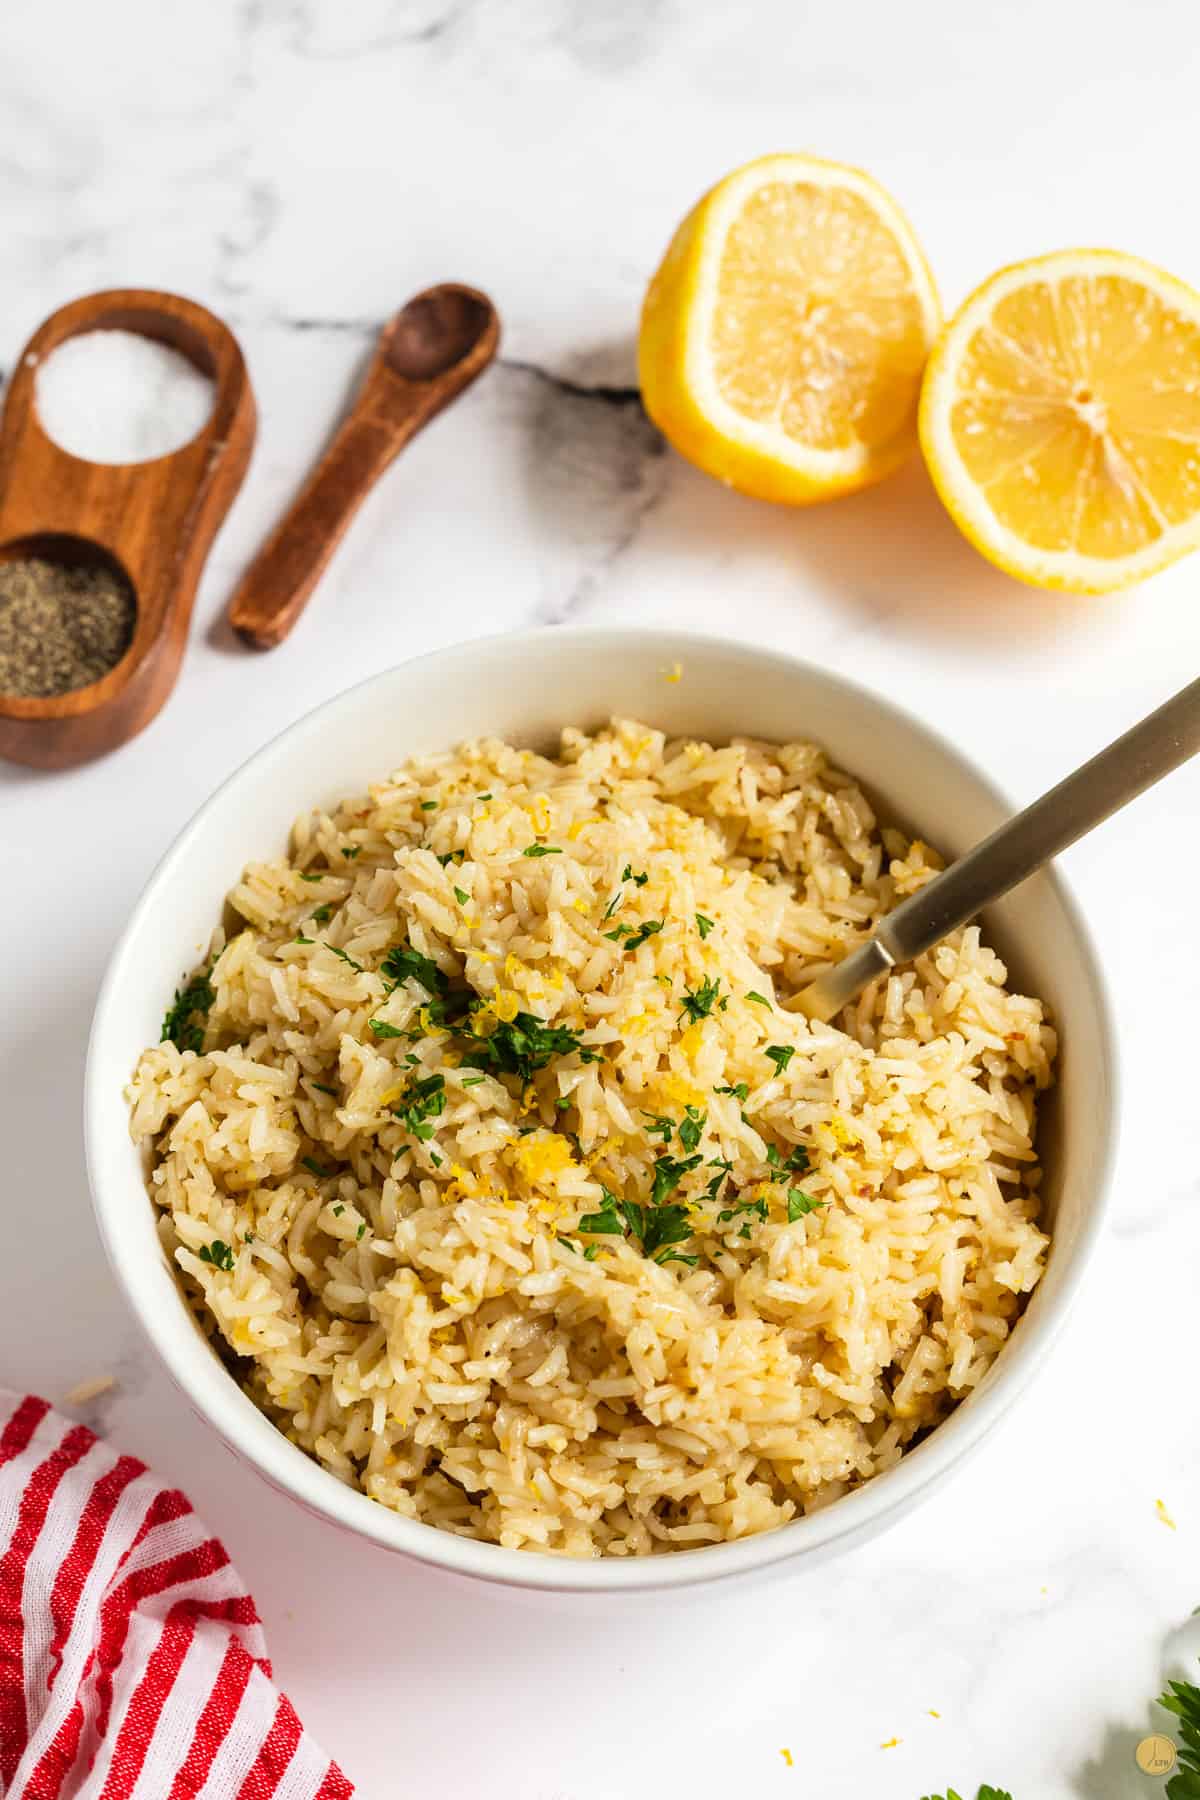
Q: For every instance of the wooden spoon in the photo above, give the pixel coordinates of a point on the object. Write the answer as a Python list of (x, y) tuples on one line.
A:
[(427, 354)]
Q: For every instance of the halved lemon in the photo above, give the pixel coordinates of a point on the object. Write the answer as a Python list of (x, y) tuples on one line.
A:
[(1060, 419), (784, 335)]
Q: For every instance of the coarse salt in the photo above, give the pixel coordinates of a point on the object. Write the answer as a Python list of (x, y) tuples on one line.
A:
[(120, 397)]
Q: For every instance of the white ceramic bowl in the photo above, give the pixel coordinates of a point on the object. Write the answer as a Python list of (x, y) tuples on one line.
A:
[(524, 687)]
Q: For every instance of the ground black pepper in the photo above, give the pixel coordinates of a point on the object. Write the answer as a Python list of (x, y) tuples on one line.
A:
[(62, 625)]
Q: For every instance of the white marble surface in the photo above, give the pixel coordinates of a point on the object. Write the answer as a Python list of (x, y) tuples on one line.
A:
[(302, 167)]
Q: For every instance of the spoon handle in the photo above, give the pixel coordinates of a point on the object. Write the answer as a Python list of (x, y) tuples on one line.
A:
[(277, 586), (1016, 849), (418, 368)]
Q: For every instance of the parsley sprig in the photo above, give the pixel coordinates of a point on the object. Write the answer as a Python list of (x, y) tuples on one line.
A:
[(183, 1024), (421, 1103), (985, 1793), (669, 1171), (342, 955), (402, 963), (219, 1254), (698, 1004), (521, 1046), (794, 1164), (691, 1127), (635, 936), (1183, 1699), (657, 1228)]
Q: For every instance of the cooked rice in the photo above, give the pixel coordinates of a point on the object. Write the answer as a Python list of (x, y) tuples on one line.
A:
[(418, 1313)]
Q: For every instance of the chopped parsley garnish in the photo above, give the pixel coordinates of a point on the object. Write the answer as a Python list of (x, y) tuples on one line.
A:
[(310, 1162), (660, 1126), (322, 915), (541, 850), (669, 1171), (350, 851), (799, 1204), (691, 1127), (608, 1221), (796, 1163), (758, 999), (658, 1228), (698, 1005), (473, 1080), (451, 856), (703, 925), (314, 875), (620, 931), (183, 1024), (405, 964), (301, 939), (483, 796), (218, 1254), (563, 1103), (322, 1089), (435, 1159), (740, 1091), (342, 954), (644, 933), (756, 1208), (429, 805), (590, 1251), (724, 1169), (402, 963), (461, 895), (612, 906), (360, 1233), (522, 1046), (338, 1209), (627, 874), (423, 1101), (781, 1055), (382, 1029)]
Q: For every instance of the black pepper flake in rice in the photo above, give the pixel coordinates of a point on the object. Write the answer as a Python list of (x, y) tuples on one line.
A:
[(62, 626)]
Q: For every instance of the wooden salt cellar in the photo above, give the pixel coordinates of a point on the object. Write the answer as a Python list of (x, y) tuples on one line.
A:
[(155, 521)]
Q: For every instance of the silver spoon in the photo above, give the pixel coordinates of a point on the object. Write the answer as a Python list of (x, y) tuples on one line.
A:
[(1015, 851)]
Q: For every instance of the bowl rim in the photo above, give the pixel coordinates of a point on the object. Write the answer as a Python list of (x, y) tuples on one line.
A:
[(252, 1436)]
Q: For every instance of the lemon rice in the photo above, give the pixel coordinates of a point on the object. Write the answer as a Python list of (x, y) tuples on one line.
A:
[(487, 1147)]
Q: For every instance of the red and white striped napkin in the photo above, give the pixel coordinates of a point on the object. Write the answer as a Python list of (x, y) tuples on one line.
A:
[(132, 1662)]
